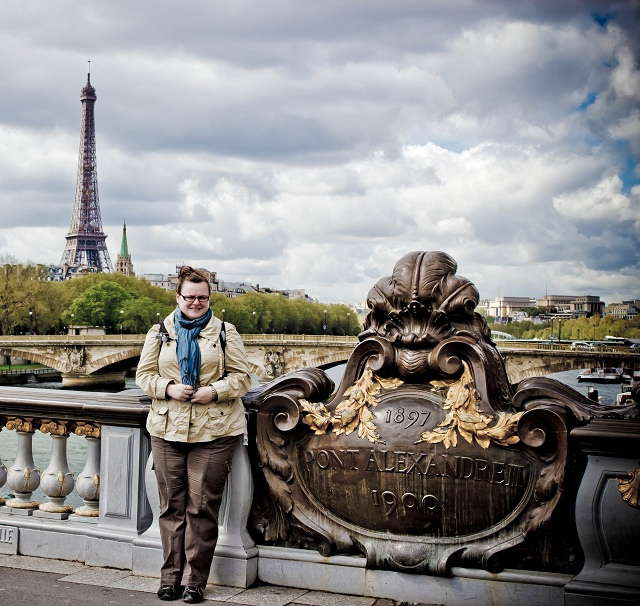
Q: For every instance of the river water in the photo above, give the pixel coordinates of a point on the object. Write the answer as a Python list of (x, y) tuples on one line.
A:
[(76, 451)]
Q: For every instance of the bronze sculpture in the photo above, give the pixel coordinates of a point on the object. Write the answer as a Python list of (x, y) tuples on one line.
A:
[(425, 455)]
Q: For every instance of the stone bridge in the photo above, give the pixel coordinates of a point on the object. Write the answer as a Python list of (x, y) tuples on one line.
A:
[(100, 359), (95, 359), (531, 359)]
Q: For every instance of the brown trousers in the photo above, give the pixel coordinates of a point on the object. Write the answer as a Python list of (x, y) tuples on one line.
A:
[(191, 478)]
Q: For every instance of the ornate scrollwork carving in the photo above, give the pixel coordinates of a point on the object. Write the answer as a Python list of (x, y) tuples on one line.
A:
[(629, 488), (25, 424), (545, 429), (56, 428), (378, 466), (89, 430)]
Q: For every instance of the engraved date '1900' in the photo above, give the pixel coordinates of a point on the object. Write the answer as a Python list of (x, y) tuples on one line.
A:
[(405, 504)]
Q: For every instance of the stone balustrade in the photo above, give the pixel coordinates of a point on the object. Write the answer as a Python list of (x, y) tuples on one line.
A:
[(115, 508), (114, 525), (57, 481)]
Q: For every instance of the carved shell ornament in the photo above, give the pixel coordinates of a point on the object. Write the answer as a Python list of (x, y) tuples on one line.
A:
[(422, 303), (415, 309), (630, 487)]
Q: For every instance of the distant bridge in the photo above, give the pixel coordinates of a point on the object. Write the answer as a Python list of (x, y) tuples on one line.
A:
[(96, 359), (88, 359)]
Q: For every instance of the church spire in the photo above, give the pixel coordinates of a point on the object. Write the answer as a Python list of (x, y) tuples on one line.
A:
[(123, 262), (124, 248)]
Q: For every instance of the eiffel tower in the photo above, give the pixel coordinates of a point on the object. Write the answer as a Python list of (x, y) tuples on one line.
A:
[(86, 249)]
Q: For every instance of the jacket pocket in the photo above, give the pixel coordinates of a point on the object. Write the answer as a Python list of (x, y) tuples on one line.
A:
[(158, 416), (217, 420)]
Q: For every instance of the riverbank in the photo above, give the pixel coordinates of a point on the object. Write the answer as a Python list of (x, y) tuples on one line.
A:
[(19, 374)]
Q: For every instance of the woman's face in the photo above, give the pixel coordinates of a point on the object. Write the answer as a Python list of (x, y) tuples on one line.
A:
[(190, 305)]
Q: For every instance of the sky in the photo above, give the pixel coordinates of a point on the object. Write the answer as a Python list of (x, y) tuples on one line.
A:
[(304, 144)]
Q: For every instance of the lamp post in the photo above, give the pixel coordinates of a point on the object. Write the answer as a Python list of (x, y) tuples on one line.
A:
[(223, 315), (30, 322), (348, 324), (253, 313), (324, 326), (158, 317), (121, 312)]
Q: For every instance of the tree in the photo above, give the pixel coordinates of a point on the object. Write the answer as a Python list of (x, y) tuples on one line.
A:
[(99, 305), (21, 287)]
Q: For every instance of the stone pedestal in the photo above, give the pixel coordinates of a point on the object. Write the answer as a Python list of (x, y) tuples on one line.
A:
[(608, 525), (124, 509)]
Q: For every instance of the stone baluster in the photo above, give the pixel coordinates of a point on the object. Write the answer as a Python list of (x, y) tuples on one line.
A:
[(88, 482), (23, 477), (3, 468), (57, 480)]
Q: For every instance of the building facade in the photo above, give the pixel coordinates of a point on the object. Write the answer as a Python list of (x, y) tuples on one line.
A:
[(505, 307), (625, 310)]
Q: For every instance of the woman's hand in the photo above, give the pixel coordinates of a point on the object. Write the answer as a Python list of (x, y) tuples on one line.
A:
[(179, 391), (203, 395)]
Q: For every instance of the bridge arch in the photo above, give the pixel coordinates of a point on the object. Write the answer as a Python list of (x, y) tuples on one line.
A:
[(51, 361)]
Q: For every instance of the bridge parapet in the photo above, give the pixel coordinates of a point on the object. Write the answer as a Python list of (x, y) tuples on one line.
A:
[(115, 526), (110, 485), (537, 360)]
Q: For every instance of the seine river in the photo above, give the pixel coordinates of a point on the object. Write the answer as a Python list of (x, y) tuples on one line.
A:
[(77, 449)]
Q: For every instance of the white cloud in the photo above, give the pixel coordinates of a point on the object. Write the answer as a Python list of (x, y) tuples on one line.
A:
[(604, 202)]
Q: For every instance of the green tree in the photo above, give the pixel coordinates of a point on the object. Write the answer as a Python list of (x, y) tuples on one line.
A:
[(99, 305)]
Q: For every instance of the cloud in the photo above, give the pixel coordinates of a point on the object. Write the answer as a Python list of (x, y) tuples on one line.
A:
[(312, 145)]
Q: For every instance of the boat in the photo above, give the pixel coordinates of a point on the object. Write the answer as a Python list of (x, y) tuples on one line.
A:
[(624, 398), (601, 375)]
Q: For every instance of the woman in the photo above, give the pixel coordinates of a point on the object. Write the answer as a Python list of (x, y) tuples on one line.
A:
[(196, 382)]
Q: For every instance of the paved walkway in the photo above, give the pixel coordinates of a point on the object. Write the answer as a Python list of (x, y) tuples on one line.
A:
[(29, 581)]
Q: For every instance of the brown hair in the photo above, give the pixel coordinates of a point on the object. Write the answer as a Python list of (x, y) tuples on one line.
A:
[(188, 274)]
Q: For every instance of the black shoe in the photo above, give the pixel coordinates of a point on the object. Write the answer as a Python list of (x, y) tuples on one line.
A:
[(192, 595), (169, 592)]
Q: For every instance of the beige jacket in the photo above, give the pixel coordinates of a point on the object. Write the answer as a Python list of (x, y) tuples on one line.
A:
[(183, 421)]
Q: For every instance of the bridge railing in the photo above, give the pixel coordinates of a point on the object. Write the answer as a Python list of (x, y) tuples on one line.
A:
[(84, 339), (564, 347), (43, 339), (285, 338), (111, 484)]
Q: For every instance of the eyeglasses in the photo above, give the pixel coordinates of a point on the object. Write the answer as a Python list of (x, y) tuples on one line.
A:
[(192, 298)]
